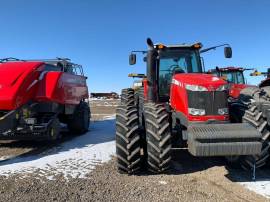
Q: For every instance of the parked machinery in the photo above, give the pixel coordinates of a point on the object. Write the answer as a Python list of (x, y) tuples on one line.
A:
[(235, 78), (37, 95), (180, 107)]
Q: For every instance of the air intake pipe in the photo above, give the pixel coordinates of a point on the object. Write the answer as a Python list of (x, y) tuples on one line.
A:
[(152, 71)]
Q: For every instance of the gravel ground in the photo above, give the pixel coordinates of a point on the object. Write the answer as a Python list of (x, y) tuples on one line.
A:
[(105, 184), (191, 179)]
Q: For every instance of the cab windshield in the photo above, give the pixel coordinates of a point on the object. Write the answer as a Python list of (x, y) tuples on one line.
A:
[(234, 77), (175, 62)]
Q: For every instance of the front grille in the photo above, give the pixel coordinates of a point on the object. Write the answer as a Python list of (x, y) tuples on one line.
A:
[(211, 101)]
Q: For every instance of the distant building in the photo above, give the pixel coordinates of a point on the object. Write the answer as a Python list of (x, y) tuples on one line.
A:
[(111, 95)]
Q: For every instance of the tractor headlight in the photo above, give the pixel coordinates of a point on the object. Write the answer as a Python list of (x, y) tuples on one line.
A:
[(195, 88), (223, 87), (223, 111), (196, 112)]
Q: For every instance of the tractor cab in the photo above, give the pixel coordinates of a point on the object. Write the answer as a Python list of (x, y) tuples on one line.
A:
[(230, 74), (166, 61), (137, 84), (234, 76), (181, 59), (175, 75)]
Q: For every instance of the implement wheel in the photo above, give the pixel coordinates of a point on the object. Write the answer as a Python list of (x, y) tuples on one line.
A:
[(53, 131), (80, 120)]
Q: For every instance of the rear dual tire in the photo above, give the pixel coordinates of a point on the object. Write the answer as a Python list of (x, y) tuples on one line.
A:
[(153, 138)]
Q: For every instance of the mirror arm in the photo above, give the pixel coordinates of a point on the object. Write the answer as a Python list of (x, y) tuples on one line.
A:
[(214, 47), (143, 52)]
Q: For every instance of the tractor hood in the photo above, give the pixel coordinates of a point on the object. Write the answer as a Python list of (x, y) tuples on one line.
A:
[(206, 80)]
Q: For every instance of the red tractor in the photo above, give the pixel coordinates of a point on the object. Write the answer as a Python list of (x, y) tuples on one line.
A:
[(234, 76), (37, 95), (180, 106), (242, 97)]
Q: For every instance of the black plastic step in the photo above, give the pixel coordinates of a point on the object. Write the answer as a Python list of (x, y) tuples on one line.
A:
[(223, 139)]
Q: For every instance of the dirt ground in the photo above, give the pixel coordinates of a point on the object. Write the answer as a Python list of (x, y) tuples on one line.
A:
[(191, 179)]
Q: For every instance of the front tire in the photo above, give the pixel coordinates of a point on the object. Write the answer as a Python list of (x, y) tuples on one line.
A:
[(127, 139), (127, 97), (158, 137)]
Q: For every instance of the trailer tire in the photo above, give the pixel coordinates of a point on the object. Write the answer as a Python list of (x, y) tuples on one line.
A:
[(158, 137), (127, 139), (53, 131), (80, 120)]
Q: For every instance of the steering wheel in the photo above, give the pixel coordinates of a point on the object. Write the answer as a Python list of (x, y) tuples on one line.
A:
[(174, 67)]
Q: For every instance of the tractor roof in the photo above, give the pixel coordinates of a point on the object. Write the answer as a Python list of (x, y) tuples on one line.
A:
[(195, 45), (224, 69)]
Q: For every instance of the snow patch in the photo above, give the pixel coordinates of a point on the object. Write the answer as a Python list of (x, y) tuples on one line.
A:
[(162, 182), (74, 158), (260, 187)]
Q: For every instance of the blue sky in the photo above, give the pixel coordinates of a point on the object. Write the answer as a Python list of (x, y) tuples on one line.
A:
[(100, 34)]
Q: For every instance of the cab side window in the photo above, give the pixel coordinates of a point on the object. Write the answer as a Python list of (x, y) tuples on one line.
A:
[(70, 70), (53, 68), (74, 70)]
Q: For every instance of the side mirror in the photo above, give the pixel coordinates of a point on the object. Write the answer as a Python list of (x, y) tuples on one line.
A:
[(145, 59), (228, 52), (132, 59)]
